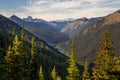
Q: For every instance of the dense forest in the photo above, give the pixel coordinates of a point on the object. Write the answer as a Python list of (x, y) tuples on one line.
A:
[(41, 55), (23, 60)]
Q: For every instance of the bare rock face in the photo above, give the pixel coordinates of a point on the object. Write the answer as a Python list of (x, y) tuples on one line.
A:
[(77, 25)]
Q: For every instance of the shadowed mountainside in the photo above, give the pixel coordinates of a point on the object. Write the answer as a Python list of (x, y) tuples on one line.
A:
[(42, 29), (88, 40)]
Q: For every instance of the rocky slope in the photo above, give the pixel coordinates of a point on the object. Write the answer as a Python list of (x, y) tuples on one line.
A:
[(77, 25), (88, 40)]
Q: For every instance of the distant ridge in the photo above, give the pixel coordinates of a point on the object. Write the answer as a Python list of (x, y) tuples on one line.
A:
[(88, 40), (77, 25), (42, 29)]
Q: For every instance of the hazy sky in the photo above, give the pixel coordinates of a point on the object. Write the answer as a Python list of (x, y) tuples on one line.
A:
[(58, 9)]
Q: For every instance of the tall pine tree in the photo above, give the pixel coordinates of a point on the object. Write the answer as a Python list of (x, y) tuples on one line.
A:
[(13, 59), (25, 56), (86, 75), (33, 62), (54, 74), (41, 77), (105, 60), (73, 72), (105, 48), (58, 78)]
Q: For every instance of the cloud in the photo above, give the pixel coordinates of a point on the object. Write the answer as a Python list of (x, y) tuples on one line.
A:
[(29, 1), (60, 9), (6, 12), (66, 5)]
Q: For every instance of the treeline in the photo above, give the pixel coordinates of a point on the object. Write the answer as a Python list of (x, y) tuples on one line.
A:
[(19, 65)]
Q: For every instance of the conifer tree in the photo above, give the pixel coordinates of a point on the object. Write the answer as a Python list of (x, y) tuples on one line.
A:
[(23, 36), (54, 74), (25, 56), (115, 68), (73, 72), (86, 73), (41, 77), (13, 59), (33, 61), (104, 62), (58, 78), (106, 47)]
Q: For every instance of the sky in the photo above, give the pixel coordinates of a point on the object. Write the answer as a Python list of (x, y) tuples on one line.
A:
[(58, 9)]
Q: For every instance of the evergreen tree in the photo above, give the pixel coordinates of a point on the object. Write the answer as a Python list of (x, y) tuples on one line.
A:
[(54, 74), (105, 60), (86, 73), (41, 77), (25, 56), (73, 72), (115, 68), (58, 78), (13, 59), (33, 62), (23, 36), (105, 48)]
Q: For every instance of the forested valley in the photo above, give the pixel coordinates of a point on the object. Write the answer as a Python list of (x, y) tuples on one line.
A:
[(21, 60)]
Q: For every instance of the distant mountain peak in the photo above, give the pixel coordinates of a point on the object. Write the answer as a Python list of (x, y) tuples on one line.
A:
[(30, 19), (64, 20), (15, 17), (83, 19)]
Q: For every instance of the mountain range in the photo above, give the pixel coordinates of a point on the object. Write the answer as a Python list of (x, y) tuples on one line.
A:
[(41, 28), (53, 32), (10, 27), (87, 32), (77, 25), (89, 38)]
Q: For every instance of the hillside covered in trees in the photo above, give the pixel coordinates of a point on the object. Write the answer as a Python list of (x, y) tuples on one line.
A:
[(19, 60), (45, 55), (24, 56)]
